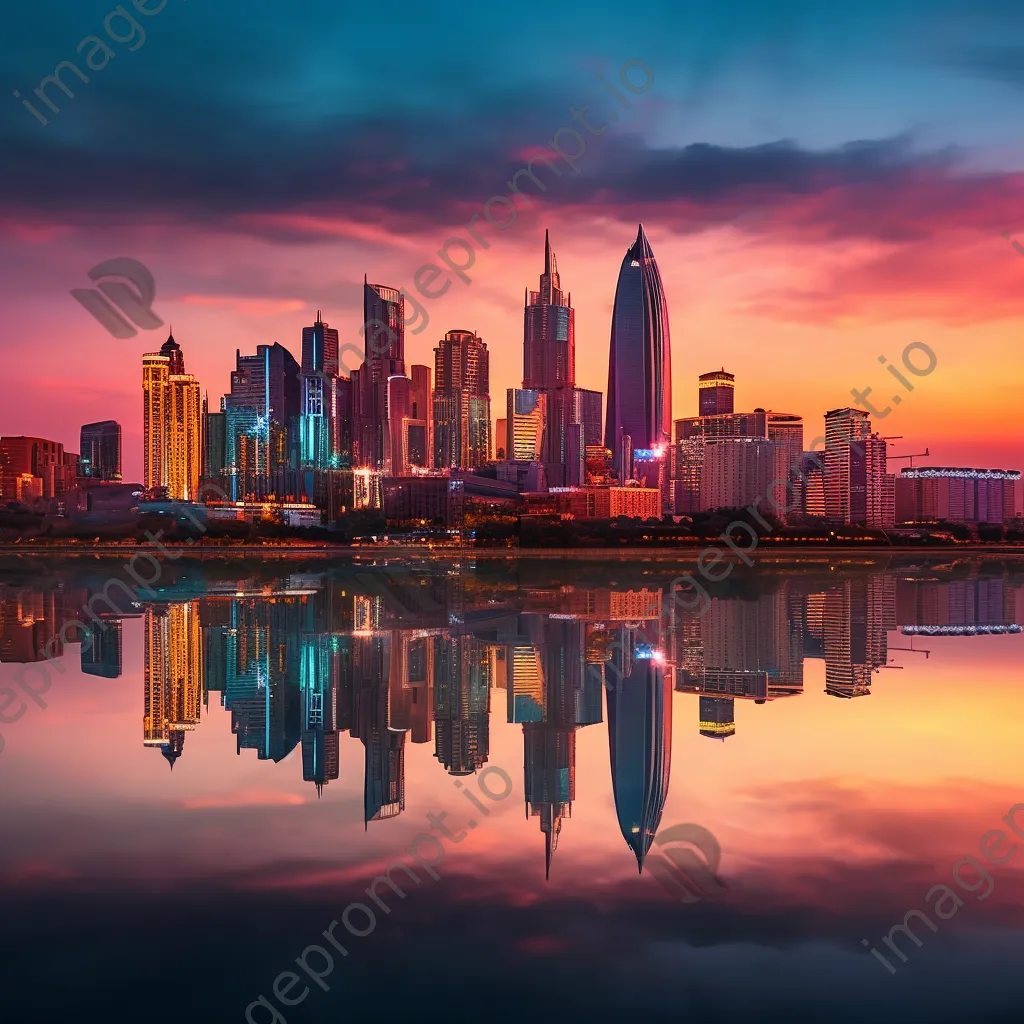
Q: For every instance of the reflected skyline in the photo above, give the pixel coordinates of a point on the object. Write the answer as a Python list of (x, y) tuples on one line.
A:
[(313, 661)]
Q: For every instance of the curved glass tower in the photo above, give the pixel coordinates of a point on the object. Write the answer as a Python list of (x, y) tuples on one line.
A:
[(640, 744), (639, 357)]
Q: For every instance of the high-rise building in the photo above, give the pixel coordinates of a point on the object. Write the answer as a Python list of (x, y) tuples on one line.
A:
[(639, 359), (173, 686), (325, 401), (640, 741), (384, 330), (215, 443), (461, 704), (32, 467), (549, 346), (101, 653), (100, 457), (419, 431), (858, 491), (172, 451), (813, 471), (270, 380), (737, 472), (855, 641), (715, 392), (927, 494), (262, 407), (384, 358), (525, 421), (462, 402), (572, 415), (784, 430), (319, 348)]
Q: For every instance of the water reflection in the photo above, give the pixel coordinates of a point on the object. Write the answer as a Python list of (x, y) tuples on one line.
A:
[(390, 655)]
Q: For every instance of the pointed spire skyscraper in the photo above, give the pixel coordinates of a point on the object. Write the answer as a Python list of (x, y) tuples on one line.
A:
[(573, 415), (549, 345), (639, 357)]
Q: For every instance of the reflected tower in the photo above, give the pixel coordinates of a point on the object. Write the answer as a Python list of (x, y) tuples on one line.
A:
[(173, 677), (640, 741), (639, 360)]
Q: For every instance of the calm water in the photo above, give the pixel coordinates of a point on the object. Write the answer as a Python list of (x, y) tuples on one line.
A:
[(796, 763)]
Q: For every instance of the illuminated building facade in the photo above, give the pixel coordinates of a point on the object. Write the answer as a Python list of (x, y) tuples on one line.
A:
[(462, 692), (640, 358), (737, 472), (525, 423), (173, 676), (549, 339), (632, 502), (462, 402), (857, 614), (858, 491), (419, 428), (784, 430), (640, 740), (929, 494), (715, 393), (572, 414), (434, 500), (100, 457), (813, 472), (172, 422), (32, 468), (324, 436), (383, 359)]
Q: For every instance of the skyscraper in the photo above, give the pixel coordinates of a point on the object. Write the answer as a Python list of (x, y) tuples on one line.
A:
[(384, 358), (261, 409), (171, 423), (462, 402), (640, 742), (319, 348), (549, 369), (270, 380), (737, 472), (549, 345), (324, 400), (693, 435), (384, 330), (100, 457), (639, 359), (419, 430), (173, 677), (715, 392), (858, 491)]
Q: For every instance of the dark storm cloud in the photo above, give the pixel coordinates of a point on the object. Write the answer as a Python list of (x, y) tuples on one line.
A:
[(409, 175)]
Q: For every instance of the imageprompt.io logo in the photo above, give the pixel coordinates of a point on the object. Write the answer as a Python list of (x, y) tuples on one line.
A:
[(686, 877), (115, 303)]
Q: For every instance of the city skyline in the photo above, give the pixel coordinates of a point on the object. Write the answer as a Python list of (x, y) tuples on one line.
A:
[(908, 419)]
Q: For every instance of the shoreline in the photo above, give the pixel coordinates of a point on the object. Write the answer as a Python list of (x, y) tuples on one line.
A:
[(689, 554)]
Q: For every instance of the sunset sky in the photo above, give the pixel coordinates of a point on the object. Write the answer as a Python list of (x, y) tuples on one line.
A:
[(821, 183)]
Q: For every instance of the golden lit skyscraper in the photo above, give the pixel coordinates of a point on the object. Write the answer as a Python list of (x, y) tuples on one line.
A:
[(171, 423), (173, 677)]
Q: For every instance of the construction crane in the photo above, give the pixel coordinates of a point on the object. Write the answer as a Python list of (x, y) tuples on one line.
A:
[(916, 455)]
